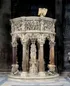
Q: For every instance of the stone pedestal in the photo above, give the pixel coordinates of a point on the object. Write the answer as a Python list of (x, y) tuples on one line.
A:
[(42, 74), (24, 74)]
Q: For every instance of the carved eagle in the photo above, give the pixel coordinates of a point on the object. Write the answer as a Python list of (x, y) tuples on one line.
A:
[(42, 11)]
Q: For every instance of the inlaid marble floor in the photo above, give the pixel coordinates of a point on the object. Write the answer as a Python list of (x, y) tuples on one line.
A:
[(60, 81)]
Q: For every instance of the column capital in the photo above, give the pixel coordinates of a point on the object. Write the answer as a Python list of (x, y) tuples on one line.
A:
[(33, 41), (41, 44), (23, 43), (41, 40), (14, 44), (51, 43)]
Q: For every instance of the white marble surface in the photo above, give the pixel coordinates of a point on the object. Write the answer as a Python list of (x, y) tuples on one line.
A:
[(60, 81)]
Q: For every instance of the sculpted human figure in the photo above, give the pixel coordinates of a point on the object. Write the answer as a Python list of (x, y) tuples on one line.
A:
[(33, 61)]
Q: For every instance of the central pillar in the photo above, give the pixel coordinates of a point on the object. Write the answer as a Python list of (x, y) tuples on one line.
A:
[(33, 61), (41, 61)]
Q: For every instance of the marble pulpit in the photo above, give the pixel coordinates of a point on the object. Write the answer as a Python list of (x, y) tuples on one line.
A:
[(35, 29)]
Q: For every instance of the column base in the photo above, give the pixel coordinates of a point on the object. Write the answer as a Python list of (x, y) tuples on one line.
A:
[(14, 70), (23, 74), (51, 67), (42, 74)]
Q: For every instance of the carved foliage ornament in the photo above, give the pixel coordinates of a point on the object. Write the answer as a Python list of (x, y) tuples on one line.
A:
[(20, 24), (32, 25), (16, 25), (47, 24)]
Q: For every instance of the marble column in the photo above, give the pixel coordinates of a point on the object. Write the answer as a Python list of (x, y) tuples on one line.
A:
[(14, 55), (51, 64), (24, 57), (14, 52), (14, 59), (27, 59), (41, 60), (24, 68)]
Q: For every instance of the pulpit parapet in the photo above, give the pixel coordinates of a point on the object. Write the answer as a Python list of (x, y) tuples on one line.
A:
[(33, 24)]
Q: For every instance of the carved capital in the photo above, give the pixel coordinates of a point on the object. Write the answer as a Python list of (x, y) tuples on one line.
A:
[(24, 44), (14, 44), (41, 39), (33, 41), (23, 41), (42, 42), (52, 44)]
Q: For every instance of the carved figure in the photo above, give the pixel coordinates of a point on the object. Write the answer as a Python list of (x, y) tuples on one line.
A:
[(15, 69)]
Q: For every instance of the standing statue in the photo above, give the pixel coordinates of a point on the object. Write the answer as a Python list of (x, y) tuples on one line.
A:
[(33, 60)]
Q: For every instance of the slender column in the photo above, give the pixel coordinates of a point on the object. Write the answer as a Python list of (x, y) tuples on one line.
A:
[(41, 58), (51, 52), (51, 63), (14, 59), (24, 57), (27, 59), (14, 55)]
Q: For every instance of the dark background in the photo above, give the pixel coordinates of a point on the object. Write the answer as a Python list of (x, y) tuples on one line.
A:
[(29, 8)]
